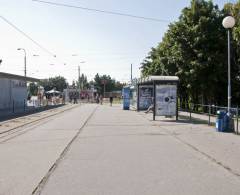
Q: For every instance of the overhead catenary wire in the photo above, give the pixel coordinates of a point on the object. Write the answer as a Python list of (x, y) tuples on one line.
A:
[(102, 11), (27, 36)]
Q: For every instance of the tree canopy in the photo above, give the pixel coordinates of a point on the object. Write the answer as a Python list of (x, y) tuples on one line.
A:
[(57, 82), (195, 49), (110, 83)]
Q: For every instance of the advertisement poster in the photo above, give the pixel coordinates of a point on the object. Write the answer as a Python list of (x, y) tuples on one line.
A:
[(145, 97), (166, 96), (133, 98)]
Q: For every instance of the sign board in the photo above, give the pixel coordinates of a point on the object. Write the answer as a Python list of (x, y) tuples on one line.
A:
[(145, 96), (19, 84), (166, 97)]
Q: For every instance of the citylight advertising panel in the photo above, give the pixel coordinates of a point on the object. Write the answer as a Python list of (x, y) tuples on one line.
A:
[(145, 96), (166, 97)]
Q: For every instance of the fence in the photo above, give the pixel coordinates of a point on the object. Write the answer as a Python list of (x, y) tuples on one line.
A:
[(208, 113), (27, 106)]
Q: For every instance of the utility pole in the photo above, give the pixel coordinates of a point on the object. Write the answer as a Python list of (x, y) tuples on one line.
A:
[(104, 89), (25, 65), (25, 61), (79, 78), (131, 73)]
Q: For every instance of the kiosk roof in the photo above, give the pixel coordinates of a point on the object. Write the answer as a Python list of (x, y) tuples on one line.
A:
[(17, 77)]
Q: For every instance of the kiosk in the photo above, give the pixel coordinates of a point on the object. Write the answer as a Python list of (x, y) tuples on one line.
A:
[(126, 97)]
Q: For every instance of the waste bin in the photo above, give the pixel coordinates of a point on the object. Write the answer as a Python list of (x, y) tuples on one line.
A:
[(220, 125), (228, 122), (224, 122)]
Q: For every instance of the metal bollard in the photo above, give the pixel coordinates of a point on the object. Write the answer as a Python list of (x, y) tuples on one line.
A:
[(209, 114), (13, 109), (24, 106), (190, 112), (237, 120)]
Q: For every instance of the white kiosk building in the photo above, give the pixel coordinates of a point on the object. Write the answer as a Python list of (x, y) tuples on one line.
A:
[(13, 90)]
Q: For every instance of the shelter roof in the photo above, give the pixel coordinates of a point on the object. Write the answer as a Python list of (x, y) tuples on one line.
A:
[(151, 79)]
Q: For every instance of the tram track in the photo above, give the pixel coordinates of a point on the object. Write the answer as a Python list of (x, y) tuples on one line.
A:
[(29, 126)]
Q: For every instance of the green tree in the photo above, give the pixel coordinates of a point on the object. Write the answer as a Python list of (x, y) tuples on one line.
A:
[(32, 89), (194, 48), (110, 84), (57, 82), (83, 82)]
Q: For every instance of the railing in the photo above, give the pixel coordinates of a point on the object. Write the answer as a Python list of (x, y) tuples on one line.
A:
[(210, 111), (27, 106)]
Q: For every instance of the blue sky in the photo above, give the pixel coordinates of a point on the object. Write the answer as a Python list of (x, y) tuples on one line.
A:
[(108, 44)]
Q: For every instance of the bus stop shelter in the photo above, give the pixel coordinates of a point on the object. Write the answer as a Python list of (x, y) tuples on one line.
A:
[(160, 92)]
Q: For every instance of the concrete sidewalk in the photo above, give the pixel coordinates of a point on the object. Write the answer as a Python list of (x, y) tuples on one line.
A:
[(124, 152)]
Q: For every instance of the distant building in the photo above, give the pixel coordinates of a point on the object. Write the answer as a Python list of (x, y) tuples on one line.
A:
[(115, 94), (13, 90)]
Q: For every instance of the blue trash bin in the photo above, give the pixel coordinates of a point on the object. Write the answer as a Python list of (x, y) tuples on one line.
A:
[(224, 122), (228, 123), (221, 120)]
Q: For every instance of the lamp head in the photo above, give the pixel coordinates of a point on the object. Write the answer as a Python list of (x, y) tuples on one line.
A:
[(228, 22)]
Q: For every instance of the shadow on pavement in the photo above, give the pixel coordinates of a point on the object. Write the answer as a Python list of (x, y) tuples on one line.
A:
[(195, 120)]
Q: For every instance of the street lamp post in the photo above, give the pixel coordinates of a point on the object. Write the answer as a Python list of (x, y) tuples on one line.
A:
[(25, 61), (228, 23), (79, 76), (79, 68)]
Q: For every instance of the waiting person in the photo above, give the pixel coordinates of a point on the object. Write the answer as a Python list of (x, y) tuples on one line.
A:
[(151, 107)]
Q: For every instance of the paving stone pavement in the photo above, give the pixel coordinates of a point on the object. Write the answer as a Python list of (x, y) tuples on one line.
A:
[(124, 152)]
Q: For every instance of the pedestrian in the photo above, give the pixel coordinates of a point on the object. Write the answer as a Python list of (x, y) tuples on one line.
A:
[(88, 98), (111, 100), (70, 97), (75, 98), (101, 99), (97, 98)]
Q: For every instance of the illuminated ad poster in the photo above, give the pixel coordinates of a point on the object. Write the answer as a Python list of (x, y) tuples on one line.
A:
[(145, 97), (166, 96)]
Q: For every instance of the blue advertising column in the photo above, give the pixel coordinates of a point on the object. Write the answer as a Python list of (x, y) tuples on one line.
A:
[(126, 98)]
